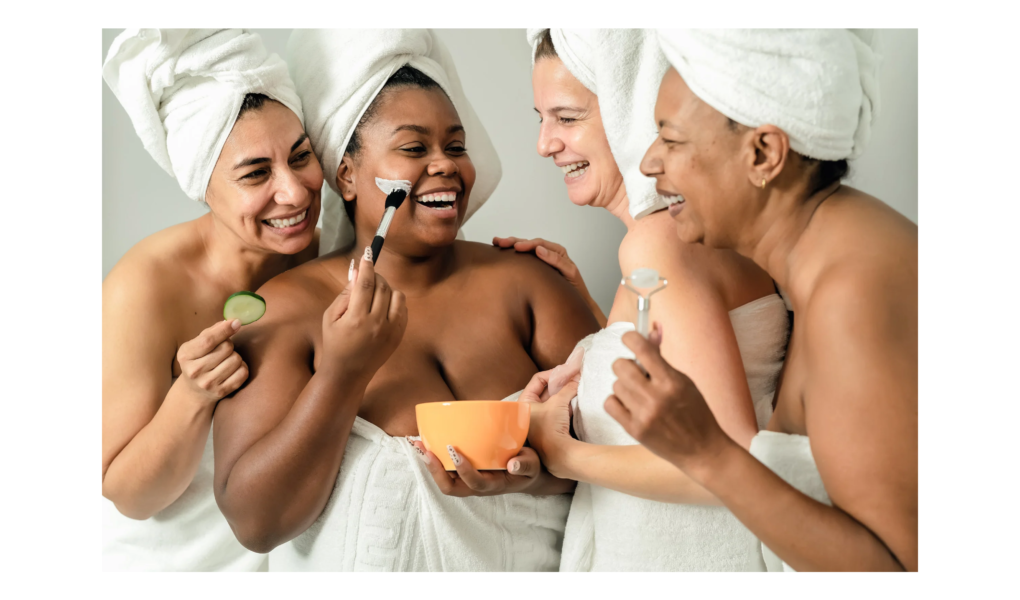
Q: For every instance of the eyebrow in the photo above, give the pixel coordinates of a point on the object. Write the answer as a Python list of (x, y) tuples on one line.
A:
[(665, 123), (556, 109), (257, 161), (426, 130)]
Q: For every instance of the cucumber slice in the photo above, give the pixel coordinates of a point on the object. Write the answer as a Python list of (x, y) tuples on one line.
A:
[(247, 306)]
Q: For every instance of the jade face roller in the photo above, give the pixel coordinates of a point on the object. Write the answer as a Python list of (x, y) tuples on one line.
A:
[(643, 283)]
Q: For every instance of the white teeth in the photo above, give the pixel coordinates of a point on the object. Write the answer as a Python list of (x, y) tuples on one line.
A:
[(671, 199), (573, 166), (438, 197), (578, 172), (281, 223)]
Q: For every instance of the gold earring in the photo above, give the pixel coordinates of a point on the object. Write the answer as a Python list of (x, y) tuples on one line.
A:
[(762, 184)]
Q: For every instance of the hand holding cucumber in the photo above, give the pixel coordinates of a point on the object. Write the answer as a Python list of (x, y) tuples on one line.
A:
[(364, 324), (209, 366)]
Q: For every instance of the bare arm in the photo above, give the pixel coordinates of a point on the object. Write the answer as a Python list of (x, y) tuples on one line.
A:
[(697, 338), (155, 430), (861, 407), (280, 440)]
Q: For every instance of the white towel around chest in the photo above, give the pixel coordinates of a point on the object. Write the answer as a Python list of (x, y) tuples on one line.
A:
[(790, 457), (386, 514), (612, 531), (189, 535)]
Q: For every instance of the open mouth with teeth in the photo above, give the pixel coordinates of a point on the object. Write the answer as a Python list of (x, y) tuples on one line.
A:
[(438, 200), (575, 169), (285, 223), (673, 199)]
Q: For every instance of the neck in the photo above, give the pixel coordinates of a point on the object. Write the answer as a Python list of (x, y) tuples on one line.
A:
[(235, 264), (407, 271), (619, 207), (779, 231)]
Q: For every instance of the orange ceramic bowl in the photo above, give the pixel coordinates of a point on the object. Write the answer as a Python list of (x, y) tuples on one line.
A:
[(486, 432)]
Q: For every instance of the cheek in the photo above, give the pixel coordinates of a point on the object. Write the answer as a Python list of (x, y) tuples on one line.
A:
[(467, 173)]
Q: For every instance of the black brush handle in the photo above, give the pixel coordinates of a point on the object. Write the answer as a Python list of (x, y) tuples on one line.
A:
[(376, 247)]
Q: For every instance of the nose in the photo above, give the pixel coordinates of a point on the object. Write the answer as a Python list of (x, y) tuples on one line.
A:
[(289, 189), (548, 142), (651, 164), (442, 166)]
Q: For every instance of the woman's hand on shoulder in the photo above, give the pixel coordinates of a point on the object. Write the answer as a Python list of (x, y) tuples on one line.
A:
[(555, 256)]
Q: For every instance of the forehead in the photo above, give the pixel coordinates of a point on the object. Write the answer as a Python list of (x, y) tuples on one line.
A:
[(415, 106), (552, 81), (677, 104), (262, 129)]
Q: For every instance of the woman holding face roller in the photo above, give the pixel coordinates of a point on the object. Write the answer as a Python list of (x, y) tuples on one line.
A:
[(719, 316), (755, 129)]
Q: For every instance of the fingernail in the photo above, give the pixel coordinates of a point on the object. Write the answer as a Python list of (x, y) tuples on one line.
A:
[(368, 253), (541, 251), (235, 324), (350, 271), (514, 466), (453, 455)]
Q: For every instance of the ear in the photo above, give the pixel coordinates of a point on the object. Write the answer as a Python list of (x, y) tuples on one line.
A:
[(771, 150), (345, 179)]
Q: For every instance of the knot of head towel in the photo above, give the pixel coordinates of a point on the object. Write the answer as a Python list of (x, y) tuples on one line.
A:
[(183, 89), (624, 68), (820, 86), (339, 72)]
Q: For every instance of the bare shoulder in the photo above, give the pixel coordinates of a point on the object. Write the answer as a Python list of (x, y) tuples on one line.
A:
[(509, 266), (653, 243), (305, 290), (152, 277)]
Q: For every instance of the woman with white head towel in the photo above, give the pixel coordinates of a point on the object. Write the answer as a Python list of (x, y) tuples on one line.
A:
[(316, 457), (719, 317), (221, 116), (755, 130)]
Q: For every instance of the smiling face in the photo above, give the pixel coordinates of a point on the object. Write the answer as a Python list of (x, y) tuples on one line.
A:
[(266, 184), (701, 166), (414, 134), (572, 134)]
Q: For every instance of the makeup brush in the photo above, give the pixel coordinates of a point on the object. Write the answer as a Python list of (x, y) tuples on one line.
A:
[(396, 191)]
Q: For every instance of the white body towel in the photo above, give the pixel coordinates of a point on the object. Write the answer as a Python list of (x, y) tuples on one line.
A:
[(624, 68), (386, 514), (183, 89), (339, 72), (189, 535), (790, 457), (611, 531), (820, 86)]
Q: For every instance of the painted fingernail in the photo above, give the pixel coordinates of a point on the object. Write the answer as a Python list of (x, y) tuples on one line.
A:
[(514, 466), (453, 455), (350, 271), (368, 253)]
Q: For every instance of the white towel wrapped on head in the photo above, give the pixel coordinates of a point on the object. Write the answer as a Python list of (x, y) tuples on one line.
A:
[(183, 89), (624, 68), (339, 73), (820, 86)]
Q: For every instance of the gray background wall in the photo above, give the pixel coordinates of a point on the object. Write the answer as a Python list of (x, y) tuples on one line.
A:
[(494, 65)]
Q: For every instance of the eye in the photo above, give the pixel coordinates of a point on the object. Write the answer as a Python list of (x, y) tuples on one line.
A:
[(256, 174), (456, 148), (566, 120), (415, 149), (302, 157)]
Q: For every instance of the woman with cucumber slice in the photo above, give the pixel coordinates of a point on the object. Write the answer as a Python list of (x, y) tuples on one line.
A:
[(221, 116)]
